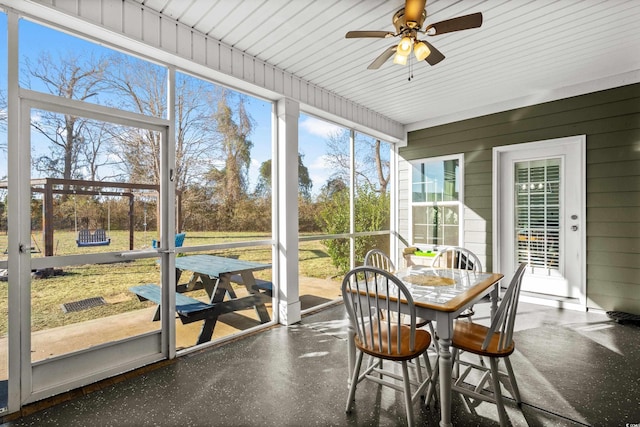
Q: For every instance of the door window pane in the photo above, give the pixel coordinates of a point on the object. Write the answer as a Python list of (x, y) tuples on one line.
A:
[(537, 213)]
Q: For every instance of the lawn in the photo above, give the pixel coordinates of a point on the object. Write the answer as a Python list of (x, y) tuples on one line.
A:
[(111, 281)]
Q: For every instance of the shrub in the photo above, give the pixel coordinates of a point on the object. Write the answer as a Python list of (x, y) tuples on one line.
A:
[(371, 214)]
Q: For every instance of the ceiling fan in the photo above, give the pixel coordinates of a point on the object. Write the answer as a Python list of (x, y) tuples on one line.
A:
[(408, 23)]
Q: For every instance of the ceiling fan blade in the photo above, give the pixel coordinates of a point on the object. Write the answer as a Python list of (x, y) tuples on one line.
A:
[(413, 10), (435, 56), (456, 24), (371, 34), (377, 63)]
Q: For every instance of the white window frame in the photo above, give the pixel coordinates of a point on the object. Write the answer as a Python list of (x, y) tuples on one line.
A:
[(459, 202)]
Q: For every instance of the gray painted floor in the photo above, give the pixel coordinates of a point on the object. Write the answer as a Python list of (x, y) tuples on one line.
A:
[(573, 369)]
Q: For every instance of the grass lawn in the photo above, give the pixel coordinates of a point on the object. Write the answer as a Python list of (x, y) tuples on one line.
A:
[(111, 281)]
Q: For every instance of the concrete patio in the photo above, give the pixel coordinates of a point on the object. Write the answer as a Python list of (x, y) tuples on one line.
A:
[(573, 369), (56, 341)]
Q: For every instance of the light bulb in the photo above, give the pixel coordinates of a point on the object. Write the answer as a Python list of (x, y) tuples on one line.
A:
[(421, 50), (400, 59), (404, 47)]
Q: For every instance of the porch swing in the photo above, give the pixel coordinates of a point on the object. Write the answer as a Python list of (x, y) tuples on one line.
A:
[(85, 237)]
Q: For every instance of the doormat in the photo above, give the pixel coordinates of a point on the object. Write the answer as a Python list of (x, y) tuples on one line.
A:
[(83, 304), (622, 317)]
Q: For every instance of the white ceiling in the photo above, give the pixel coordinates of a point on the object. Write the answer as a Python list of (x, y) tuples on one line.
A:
[(527, 51)]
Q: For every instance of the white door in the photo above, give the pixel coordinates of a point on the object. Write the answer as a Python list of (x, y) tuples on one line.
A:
[(539, 214)]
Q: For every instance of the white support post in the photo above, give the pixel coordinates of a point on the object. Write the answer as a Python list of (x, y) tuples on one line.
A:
[(352, 198), (394, 232), (288, 112)]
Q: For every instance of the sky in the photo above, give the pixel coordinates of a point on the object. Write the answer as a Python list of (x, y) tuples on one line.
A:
[(313, 132)]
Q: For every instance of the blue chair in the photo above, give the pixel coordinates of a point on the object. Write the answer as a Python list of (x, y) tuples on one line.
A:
[(179, 241)]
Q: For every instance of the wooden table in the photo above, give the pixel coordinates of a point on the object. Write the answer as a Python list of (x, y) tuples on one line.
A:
[(443, 304), (215, 273)]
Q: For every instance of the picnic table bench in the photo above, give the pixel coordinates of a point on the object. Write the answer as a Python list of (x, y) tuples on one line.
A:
[(260, 285), (188, 309)]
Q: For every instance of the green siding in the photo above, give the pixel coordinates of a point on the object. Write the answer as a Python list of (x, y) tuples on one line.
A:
[(611, 121)]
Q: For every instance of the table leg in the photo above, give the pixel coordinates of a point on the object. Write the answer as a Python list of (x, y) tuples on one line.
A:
[(351, 351), (225, 280), (445, 364), (210, 323), (193, 281), (250, 283), (211, 285)]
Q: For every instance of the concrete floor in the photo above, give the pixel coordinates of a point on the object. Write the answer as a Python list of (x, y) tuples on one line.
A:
[(56, 341), (573, 369)]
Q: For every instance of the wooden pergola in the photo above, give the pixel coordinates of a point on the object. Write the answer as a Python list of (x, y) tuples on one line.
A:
[(50, 186)]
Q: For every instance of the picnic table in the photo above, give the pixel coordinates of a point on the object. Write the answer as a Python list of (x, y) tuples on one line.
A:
[(215, 274)]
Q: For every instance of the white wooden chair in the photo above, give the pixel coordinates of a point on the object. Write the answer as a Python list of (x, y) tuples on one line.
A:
[(457, 257), (494, 343), (460, 258), (368, 291), (378, 258)]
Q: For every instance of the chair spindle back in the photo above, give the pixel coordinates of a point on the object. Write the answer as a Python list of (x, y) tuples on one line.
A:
[(505, 317), (377, 258), (457, 257), (368, 291)]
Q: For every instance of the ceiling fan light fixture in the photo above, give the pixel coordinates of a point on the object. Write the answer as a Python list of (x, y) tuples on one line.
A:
[(408, 23), (421, 50), (404, 47), (400, 59)]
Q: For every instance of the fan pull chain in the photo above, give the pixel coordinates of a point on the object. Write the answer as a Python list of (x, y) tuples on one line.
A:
[(410, 68)]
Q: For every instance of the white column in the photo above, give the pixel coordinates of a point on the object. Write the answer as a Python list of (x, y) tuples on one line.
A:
[(352, 198), (288, 112), (394, 228)]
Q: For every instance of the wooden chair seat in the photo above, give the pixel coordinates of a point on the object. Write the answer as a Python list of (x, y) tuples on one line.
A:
[(470, 337), (422, 342)]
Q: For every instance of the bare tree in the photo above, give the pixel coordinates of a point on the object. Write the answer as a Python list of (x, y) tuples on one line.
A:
[(97, 165), (230, 180), (142, 88), (370, 164), (382, 168), (263, 187), (72, 77)]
